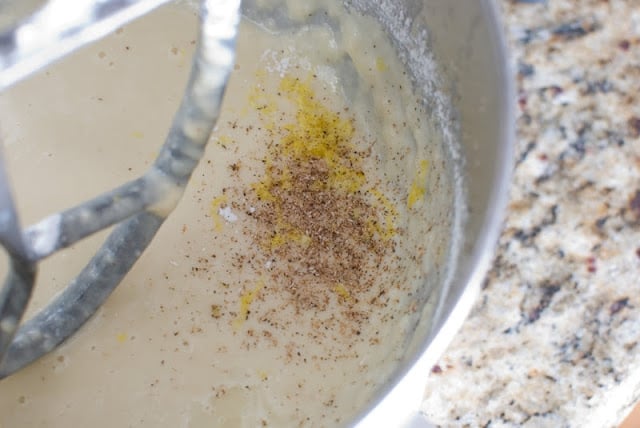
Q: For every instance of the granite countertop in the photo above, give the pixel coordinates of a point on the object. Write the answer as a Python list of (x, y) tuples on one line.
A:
[(553, 340)]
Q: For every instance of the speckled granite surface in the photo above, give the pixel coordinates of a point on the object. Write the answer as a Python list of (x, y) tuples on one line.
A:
[(554, 339)]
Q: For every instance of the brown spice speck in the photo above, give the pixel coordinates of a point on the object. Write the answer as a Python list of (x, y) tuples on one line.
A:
[(216, 311), (313, 217)]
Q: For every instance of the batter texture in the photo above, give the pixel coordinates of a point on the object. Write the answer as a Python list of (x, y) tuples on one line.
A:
[(285, 288)]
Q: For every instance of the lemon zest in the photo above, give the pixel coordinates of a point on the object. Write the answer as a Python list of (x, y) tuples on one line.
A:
[(216, 203), (246, 299), (419, 185)]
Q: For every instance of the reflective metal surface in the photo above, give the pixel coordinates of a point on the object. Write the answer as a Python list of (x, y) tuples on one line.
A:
[(466, 39)]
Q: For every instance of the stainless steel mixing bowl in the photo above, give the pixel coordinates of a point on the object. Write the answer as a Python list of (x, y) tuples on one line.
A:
[(456, 55), (473, 74)]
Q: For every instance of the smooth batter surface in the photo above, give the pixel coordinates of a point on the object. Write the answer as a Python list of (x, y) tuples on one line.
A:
[(283, 290)]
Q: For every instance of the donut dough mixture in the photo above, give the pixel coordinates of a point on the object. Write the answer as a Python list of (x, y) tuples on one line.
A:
[(282, 291)]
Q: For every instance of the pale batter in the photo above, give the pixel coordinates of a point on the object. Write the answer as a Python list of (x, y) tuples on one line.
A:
[(283, 289)]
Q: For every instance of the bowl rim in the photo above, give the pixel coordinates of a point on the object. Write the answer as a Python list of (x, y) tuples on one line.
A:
[(401, 402)]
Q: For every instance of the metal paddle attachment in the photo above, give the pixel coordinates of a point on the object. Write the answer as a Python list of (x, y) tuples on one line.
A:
[(140, 206)]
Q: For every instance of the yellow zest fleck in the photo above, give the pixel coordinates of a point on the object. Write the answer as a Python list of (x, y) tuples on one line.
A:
[(387, 230), (419, 185), (259, 99), (380, 64), (269, 125), (342, 292), (319, 133), (262, 101), (223, 141), (263, 375), (216, 204), (245, 304), (347, 180), (263, 190), (122, 337), (137, 134), (281, 238)]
